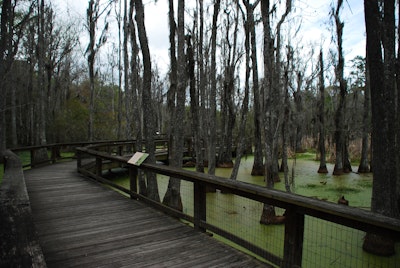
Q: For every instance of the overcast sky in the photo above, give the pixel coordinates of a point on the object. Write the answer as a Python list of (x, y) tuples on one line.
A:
[(314, 15)]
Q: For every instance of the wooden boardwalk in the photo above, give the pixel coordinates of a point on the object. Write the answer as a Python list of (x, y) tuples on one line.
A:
[(81, 223)]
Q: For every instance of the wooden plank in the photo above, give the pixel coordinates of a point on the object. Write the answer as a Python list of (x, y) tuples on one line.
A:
[(82, 223)]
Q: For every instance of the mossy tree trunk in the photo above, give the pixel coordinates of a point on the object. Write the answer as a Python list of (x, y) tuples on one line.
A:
[(149, 119), (172, 197), (340, 143), (380, 29), (321, 110)]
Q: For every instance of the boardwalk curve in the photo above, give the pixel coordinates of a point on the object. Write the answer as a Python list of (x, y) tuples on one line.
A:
[(81, 223)]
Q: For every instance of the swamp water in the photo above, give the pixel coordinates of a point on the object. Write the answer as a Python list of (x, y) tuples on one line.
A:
[(325, 244)]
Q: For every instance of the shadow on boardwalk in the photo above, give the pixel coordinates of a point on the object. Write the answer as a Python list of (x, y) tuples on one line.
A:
[(82, 223)]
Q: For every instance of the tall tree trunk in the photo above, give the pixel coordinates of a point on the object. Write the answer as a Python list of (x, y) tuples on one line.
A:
[(398, 109), (364, 161), (269, 116), (42, 107), (382, 84), (172, 197), (202, 91), (245, 105), (9, 44), (286, 119), (229, 110), (299, 115), (148, 111), (258, 164), (321, 114), (340, 139), (126, 68), (213, 93), (4, 36), (134, 119), (91, 57), (14, 137), (173, 81)]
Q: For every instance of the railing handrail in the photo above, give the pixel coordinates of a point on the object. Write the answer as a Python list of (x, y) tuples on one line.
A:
[(296, 206), (346, 215)]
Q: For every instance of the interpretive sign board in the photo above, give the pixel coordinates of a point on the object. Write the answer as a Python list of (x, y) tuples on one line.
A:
[(138, 158)]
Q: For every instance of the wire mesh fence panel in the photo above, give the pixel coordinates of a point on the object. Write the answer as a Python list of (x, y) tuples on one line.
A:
[(327, 244), (240, 217)]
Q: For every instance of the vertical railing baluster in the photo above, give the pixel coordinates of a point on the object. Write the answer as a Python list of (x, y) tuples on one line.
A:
[(78, 155), (53, 154), (200, 209), (99, 168), (294, 235), (32, 158), (133, 173)]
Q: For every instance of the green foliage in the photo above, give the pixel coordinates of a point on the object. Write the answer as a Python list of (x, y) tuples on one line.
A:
[(309, 155), (25, 157), (70, 123)]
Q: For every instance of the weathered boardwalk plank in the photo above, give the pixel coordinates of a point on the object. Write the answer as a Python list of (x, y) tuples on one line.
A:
[(84, 224)]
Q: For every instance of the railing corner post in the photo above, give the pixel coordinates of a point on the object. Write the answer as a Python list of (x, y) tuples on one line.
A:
[(294, 235)]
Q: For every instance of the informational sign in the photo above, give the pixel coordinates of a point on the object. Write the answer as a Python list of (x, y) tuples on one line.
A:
[(138, 158)]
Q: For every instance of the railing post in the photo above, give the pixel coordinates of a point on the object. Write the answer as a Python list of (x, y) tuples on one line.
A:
[(53, 154), (200, 209), (99, 163), (133, 173), (32, 158), (294, 234), (78, 158)]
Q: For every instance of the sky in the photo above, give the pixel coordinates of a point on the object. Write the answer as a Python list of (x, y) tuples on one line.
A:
[(314, 15)]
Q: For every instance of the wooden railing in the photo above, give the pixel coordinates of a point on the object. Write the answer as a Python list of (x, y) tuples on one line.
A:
[(19, 244), (297, 207)]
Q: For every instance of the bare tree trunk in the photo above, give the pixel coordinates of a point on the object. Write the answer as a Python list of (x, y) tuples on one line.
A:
[(229, 54), (173, 81), (172, 197), (321, 114), (364, 162), (245, 105), (258, 164), (4, 37), (213, 94), (268, 214), (126, 67), (42, 107), (202, 93), (148, 111), (9, 44), (286, 119), (398, 109), (14, 137), (340, 139), (91, 58), (271, 104), (134, 119), (382, 84)]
